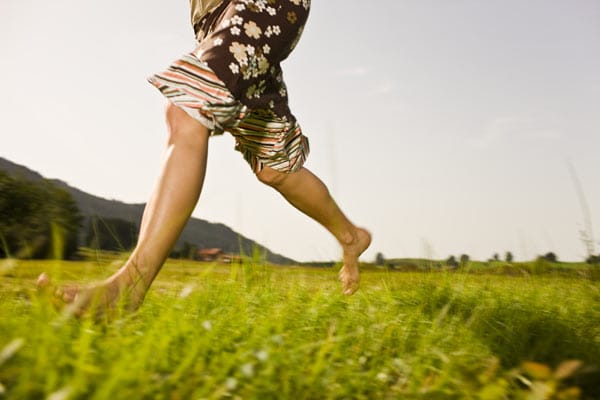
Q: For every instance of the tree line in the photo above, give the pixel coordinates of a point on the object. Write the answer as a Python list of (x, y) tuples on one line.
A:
[(40, 220), (37, 219), (464, 259)]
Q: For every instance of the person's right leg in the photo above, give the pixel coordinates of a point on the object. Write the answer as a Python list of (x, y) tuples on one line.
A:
[(305, 191), (170, 206)]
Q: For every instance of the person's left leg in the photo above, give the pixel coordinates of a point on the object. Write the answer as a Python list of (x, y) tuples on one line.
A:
[(171, 203), (308, 193)]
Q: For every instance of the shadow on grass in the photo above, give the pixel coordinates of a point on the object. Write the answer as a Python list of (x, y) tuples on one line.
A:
[(518, 327)]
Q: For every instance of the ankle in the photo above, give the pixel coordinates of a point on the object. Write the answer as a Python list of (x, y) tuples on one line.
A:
[(348, 237), (137, 269), (125, 277)]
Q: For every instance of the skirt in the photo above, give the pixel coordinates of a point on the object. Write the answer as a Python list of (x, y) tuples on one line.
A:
[(232, 81)]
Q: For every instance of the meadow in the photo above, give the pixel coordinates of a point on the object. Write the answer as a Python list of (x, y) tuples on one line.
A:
[(251, 331)]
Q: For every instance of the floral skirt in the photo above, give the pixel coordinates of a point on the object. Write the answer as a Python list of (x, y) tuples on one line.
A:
[(232, 81)]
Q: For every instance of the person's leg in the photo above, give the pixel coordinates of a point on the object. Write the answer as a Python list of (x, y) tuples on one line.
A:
[(308, 193), (170, 206)]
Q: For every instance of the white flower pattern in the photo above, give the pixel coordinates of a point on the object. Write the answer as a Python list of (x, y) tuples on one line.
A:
[(252, 30), (256, 36)]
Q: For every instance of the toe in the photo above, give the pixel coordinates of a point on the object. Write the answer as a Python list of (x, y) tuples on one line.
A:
[(69, 295), (43, 281), (351, 288), (350, 283)]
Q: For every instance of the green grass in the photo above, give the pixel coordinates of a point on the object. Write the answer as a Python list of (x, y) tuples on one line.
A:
[(210, 331)]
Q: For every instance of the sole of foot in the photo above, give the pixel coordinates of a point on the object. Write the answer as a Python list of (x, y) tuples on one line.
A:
[(349, 274)]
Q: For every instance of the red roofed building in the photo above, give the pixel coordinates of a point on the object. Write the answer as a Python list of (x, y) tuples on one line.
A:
[(210, 254)]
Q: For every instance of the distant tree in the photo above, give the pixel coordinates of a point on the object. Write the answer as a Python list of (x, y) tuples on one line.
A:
[(37, 219), (464, 259), (451, 262), (23, 226), (189, 251), (550, 256), (508, 257), (496, 257), (379, 259), (593, 259), (66, 221)]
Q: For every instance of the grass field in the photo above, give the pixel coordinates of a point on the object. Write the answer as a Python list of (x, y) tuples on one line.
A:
[(209, 331)]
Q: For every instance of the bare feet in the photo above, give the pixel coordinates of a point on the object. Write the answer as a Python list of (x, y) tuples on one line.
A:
[(100, 298), (349, 274)]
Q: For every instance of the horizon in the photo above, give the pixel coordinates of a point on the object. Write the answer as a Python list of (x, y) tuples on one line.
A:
[(501, 256)]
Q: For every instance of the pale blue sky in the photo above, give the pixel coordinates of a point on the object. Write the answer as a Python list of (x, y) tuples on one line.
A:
[(443, 126)]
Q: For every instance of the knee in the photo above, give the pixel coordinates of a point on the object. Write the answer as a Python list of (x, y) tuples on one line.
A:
[(183, 127), (271, 177)]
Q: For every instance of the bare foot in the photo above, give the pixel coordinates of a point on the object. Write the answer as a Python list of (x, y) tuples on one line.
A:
[(101, 298), (349, 274)]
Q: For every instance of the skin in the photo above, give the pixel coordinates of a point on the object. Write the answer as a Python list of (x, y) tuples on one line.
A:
[(174, 197)]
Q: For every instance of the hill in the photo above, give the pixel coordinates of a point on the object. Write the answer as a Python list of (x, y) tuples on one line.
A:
[(200, 232)]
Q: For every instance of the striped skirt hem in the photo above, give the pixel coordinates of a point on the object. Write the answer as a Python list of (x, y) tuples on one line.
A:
[(263, 138), (193, 86)]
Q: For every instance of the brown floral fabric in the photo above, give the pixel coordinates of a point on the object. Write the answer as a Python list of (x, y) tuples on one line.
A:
[(244, 42)]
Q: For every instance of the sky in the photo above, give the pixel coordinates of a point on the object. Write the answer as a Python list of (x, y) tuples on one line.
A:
[(443, 126)]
